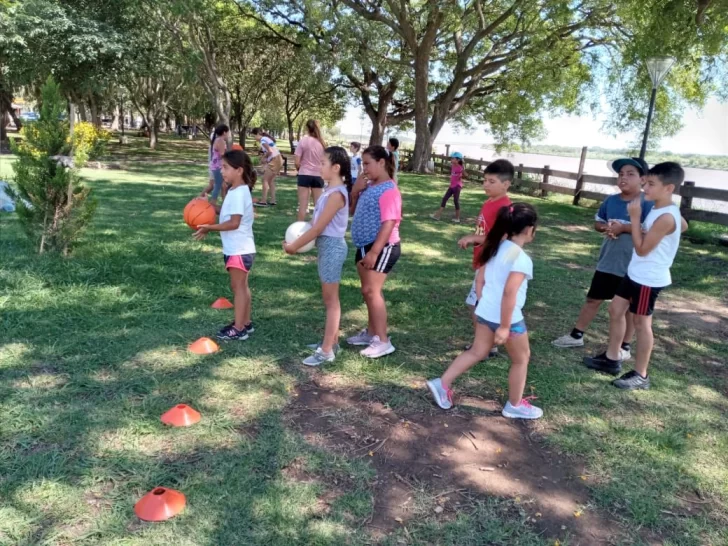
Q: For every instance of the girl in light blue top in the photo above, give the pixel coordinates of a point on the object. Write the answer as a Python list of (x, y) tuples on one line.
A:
[(330, 220)]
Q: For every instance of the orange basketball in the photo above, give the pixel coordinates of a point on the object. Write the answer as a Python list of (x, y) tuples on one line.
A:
[(236, 147), (199, 212)]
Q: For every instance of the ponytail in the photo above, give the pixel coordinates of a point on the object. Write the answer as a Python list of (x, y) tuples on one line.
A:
[(314, 130), (511, 220), (377, 153)]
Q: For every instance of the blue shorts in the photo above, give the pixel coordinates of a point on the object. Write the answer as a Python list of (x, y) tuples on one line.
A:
[(332, 252), (217, 177), (517, 329)]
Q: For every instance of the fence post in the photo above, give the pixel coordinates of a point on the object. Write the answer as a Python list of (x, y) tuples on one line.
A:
[(544, 192), (447, 150), (580, 177), (519, 172), (285, 165), (686, 201)]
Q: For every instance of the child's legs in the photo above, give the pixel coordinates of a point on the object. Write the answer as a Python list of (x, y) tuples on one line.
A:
[(241, 291), (272, 186), (446, 198), (629, 331), (482, 344), (588, 311), (303, 196), (315, 194), (371, 288), (456, 200), (266, 181), (330, 293), (520, 353), (645, 343), (617, 325)]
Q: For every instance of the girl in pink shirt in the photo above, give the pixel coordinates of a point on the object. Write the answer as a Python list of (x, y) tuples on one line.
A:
[(309, 153), (456, 184)]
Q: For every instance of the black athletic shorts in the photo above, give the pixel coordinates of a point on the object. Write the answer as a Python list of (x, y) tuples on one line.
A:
[(603, 286), (308, 181), (386, 259), (641, 298)]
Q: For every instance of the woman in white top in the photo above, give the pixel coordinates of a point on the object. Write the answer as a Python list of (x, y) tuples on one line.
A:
[(236, 231), (501, 285), (273, 162)]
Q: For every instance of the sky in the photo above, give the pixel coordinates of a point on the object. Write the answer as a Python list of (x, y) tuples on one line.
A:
[(703, 132)]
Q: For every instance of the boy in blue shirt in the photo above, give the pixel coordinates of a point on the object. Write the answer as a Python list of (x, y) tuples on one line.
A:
[(613, 221)]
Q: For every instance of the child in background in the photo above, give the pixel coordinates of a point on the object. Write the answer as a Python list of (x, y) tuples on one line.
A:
[(656, 241), (502, 283), (355, 149), (393, 148), (456, 184), (218, 145), (330, 220), (236, 232), (375, 232), (612, 219), (273, 162), (497, 178)]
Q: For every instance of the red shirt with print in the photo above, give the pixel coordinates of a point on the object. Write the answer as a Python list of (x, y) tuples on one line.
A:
[(486, 219)]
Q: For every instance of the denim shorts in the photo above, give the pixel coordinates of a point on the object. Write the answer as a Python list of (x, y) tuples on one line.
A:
[(517, 328), (332, 252)]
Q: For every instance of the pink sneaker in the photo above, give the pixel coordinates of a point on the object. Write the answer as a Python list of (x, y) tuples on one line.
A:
[(378, 348)]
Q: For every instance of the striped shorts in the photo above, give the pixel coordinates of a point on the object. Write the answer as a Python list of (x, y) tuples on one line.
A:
[(332, 252), (386, 259), (641, 298)]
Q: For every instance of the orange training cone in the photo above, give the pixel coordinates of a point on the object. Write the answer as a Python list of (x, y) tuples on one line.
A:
[(181, 415), (204, 346), (222, 303), (160, 504)]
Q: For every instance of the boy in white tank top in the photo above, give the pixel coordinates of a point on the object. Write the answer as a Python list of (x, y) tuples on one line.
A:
[(655, 245)]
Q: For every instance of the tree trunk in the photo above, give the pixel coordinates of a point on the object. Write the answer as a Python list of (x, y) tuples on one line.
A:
[(379, 126), (121, 117), (115, 119), (95, 117), (3, 123), (167, 124), (423, 138), (153, 128), (298, 131), (82, 110), (290, 131)]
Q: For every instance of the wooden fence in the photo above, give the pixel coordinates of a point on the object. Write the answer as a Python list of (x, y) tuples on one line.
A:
[(688, 191)]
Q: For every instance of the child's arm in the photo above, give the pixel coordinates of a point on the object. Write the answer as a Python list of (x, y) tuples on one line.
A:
[(360, 186), (384, 232), (230, 225), (333, 205), (210, 186), (266, 148), (468, 240), (480, 281), (644, 243), (508, 304), (683, 224)]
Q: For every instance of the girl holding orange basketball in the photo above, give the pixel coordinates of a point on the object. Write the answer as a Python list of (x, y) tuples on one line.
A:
[(236, 231)]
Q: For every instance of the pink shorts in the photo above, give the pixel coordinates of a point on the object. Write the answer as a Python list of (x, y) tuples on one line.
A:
[(239, 261)]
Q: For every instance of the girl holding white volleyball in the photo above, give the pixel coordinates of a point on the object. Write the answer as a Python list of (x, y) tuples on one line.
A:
[(330, 220)]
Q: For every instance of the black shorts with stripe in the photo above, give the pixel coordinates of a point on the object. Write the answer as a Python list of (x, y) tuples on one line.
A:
[(641, 298), (386, 259)]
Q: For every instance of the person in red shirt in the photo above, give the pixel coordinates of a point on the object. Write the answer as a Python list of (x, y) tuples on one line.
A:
[(497, 178)]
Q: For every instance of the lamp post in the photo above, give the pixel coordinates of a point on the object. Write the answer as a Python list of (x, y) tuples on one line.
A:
[(657, 67)]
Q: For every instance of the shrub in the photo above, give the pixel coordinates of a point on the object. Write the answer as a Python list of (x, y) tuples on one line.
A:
[(89, 142), (52, 205)]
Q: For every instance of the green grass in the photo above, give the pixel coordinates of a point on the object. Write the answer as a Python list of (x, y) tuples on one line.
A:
[(93, 351)]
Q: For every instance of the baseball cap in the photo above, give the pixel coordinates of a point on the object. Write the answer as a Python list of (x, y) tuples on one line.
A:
[(640, 164), (456, 155)]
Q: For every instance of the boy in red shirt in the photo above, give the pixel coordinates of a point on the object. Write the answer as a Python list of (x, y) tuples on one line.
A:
[(497, 179)]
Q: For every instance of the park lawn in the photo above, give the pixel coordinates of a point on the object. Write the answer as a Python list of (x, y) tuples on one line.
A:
[(93, 351)]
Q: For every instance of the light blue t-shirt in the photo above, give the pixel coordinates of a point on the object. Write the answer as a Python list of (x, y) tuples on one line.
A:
[(615, 254)]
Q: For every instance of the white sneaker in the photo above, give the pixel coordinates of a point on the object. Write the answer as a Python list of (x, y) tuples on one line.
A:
[(456, 220), (319, 357), (378, 348), (442, 396), (362, 338), (625, 354), (564, 342), (524, 410)]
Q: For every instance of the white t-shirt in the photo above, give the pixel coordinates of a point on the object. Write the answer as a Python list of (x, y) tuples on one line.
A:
[(274, 151), (238, 241), (510, 258), (653, 270)]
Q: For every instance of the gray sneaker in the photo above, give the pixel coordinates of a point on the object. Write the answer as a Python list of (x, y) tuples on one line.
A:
[(565, 342), (524, 410), (632, 381), (362, 338), (442, 396), (314, 346), (319, 357)]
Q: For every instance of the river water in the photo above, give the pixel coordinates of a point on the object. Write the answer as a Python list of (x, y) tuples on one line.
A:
[(706, 178)]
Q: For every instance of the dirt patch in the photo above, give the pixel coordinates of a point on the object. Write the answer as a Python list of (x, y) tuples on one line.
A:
[(707, 315), (431, 463)]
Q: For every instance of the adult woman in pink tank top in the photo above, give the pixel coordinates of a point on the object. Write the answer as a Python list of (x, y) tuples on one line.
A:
[(309, 153)]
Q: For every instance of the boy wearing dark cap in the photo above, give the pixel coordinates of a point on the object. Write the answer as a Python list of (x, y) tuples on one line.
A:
[(613, 221)]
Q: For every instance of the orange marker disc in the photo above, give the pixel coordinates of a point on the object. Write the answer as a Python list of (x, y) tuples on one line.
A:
[(204, 346), (222, 303), (180, 415), (160, 504)]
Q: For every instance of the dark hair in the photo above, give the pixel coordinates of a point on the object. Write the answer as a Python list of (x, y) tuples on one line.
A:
[(218, 132), (238, 159), (314, 129), (356, 145), (338, 156), (502, 168), (511, 220), (394, 142), (460, 161), (377, 153), (668, 173), (261, 132)]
